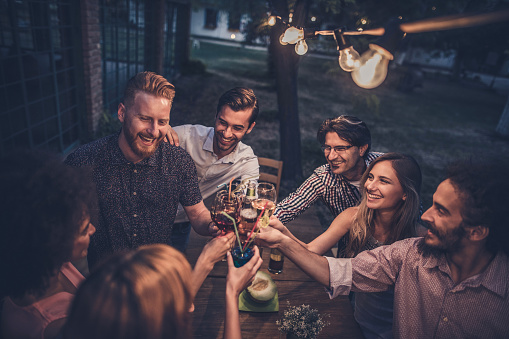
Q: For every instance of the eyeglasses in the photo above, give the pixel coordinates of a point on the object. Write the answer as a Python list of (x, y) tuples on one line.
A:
[(338, 149)]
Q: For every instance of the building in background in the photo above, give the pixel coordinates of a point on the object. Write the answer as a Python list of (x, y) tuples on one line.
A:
[(64, 63), (214, 24)]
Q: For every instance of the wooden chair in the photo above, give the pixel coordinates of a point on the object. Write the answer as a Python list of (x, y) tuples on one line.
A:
[(267, 168)]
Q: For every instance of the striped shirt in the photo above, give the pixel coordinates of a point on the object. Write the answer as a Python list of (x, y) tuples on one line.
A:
[(333, 189), (427, 301)]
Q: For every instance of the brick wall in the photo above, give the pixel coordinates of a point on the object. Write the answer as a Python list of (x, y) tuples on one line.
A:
[(91, 37)]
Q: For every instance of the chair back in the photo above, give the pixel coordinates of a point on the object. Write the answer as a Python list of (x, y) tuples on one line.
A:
[(270, 171)]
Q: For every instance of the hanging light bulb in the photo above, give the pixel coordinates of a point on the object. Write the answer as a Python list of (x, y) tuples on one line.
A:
[(373, 67), (282, 41), (292, 35), (272, 20), (301, 47), (374, 63), (348, 59)]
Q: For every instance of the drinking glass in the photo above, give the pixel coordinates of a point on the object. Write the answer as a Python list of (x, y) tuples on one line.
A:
[(265, 202), (230, 204), (276, 261), (241, 258)]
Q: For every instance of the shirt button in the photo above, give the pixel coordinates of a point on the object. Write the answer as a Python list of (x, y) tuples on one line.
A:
[(445, 319), (134, 193), (135, 215)]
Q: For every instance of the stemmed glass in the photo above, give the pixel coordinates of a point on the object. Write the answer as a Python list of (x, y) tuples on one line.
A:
[(230, 204), (266, 200)]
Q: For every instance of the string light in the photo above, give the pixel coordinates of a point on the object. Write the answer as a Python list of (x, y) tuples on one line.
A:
[(301, 47), (370, 70), (349, 58)]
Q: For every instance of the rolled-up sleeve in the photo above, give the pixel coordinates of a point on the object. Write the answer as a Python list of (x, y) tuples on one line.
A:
[(340, 273)]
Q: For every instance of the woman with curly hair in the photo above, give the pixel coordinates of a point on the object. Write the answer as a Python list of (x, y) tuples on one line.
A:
[(45, 208), (388, 211)]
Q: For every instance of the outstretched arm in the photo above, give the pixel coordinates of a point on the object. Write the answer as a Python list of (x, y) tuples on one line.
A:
[(337, 230), (200, 219), (314, 265), (236, 281), (324, 242), (212, 252)]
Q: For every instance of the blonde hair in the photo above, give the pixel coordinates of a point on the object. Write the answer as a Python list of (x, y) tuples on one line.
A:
[(139, 294), (148, 82), (406, 216)]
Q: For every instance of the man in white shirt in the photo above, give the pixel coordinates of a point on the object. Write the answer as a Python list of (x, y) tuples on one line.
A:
[(218, 152)]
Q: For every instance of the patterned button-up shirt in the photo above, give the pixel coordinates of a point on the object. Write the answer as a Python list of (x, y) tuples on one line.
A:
[(427, 302), (334, 190), (137, 202)]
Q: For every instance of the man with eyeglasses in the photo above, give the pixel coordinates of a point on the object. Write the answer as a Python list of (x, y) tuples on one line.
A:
[(346, 142)]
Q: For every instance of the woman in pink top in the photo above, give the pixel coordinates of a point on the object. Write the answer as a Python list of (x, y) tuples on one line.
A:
[(45, 209)]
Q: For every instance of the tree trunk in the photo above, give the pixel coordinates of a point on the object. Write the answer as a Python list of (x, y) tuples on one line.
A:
[(286, 69), (503, 123)]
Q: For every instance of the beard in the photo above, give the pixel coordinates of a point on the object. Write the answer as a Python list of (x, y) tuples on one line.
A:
[(140, 150), (449, 242)]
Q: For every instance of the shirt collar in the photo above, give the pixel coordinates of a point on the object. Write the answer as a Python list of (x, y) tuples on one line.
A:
[(494, 278), (208, 146)]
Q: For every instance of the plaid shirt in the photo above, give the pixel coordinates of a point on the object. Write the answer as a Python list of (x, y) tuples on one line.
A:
[(334, 190)]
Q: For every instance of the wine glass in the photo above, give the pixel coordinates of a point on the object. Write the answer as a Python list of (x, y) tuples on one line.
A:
[(266, 198), (229, 204)]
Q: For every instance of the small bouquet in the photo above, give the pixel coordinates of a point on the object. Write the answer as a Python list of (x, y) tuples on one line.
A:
[(302, 322)]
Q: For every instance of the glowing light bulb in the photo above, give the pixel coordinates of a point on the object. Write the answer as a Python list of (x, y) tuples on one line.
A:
[(373, 67), (272, 20), (349, 59), (232, 36), (282, 41), (301, 47), (292, 35)]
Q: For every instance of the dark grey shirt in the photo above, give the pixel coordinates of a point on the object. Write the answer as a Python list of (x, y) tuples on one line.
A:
[(137, 202)]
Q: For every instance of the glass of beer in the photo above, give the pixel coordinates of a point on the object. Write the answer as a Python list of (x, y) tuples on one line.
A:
[(276, 261), (229, 204)]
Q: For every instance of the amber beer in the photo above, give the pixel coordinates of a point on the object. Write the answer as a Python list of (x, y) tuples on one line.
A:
[(276, 261), (247, 221)]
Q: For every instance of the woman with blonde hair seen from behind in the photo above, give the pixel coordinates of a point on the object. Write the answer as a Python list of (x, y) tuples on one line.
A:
[(147, 293), (388, 211)]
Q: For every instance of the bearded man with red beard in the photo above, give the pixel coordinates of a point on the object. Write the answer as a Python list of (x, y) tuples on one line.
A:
[(141, 180)]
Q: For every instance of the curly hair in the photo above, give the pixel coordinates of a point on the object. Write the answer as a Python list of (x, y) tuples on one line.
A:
[(482, 186), (148, 82), (43, 205), (348, 128), (238, 99), (145, 293)]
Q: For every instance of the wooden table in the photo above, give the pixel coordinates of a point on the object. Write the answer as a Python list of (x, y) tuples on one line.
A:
[(294, 288)]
